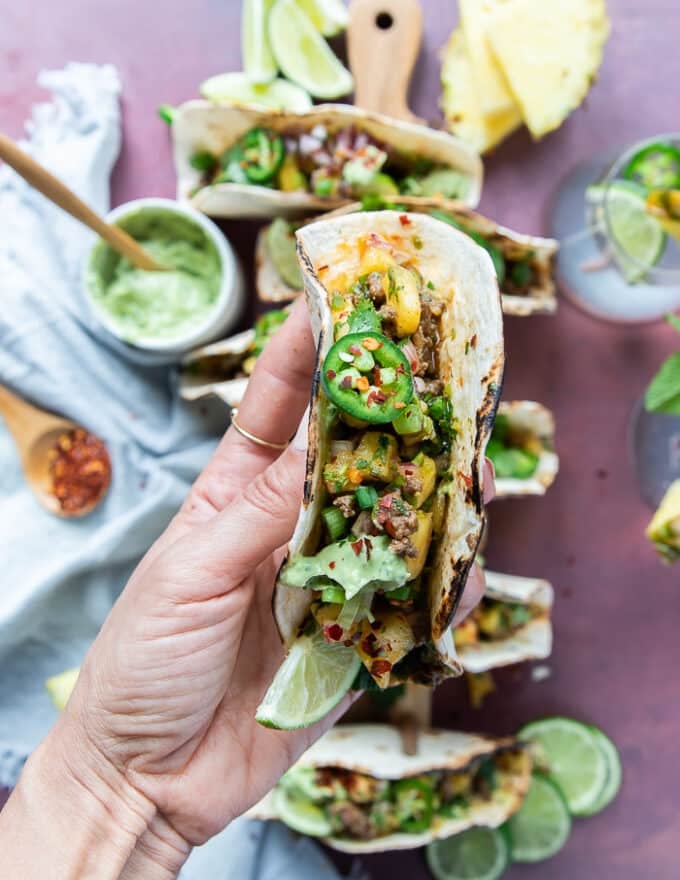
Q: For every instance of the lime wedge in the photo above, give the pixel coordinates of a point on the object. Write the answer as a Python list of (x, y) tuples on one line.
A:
[(542, 825), (60, 687), (329, 17), (614, 772), (300, 815), (477, 854), (572, 757), (639, 238), (302, 53), (312, 679), (236, 88), (256, 51)]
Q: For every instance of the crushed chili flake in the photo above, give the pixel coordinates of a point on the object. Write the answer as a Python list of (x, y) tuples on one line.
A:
[(331, 564), (322, 268), (357, 546), (466, 479), (380, 667), (369, 547), (333, 632), (404, 220), (376, 396), (330, 375), (369, 645), (80, 469), (473, 341)]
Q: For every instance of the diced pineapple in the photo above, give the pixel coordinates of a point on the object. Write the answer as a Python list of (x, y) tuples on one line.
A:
[(420, 539), (427, 471), (480, 685), (490, 620), (336, 473), (290, 178), (376, 457), (466, 634), (404, 294), (384, 643)]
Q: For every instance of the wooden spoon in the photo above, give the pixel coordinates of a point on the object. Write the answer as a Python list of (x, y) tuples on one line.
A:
[(383, 42), (57, 192), (35, 433)]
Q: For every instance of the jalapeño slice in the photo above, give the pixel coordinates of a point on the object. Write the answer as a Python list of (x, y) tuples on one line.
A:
[(414, 800), (256, 158), (367, 376), (656, 166)]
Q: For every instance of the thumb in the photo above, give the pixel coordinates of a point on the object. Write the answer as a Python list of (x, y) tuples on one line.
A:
[(262, 517)]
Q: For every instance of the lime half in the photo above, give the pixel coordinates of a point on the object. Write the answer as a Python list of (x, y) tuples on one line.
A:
[(639, 238), (311, 681), (302, 53), (329, 17), (477, 854), (573, 759), (614, 772), (542, 825), (236, 88), (300, 815), (256, 51)]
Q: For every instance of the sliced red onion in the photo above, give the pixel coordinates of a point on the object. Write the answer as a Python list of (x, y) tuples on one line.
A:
[(309, 144)]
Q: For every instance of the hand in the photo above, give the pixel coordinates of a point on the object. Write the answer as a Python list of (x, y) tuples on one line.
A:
[(163, 713)]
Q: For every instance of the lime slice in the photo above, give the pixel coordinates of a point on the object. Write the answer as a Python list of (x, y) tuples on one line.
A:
[(477, 854), (256, 51), (572, 757), (303, 55), (542, 825), (60, 687), (329, 17), (312, 679), (614, 772), (634, 231), (236, 88), (300, 815)]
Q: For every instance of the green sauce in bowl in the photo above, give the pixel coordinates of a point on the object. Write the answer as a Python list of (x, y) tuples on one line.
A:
[(157, 305)]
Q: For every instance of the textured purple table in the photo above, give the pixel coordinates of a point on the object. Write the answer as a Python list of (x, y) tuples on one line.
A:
[(617, 647)]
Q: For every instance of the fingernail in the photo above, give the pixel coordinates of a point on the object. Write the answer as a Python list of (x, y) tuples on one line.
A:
[(299, 441)]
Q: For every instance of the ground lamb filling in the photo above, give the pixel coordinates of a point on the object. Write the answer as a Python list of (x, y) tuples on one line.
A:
[(493, 620), (361, 807), (388, 468)]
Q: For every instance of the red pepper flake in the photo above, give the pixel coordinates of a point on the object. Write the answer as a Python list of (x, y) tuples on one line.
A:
[(346, 382), (322, 268), (369, 645), (377, 376), (357, 546), (333, 632), (380, 668), (369, 547), (375, 396), (355, 350), (80, 469), (404, 220), (348, 643), (330, 375), (466, 479), (473, 341), (331, 564)]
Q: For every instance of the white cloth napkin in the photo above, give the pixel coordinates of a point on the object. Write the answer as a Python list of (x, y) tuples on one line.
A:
[(59, 578)]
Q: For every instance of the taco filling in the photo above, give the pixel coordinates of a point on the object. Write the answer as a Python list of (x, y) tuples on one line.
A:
[(664, 529), (355, 806), (387, 465), (342, 164), (514, 449), (493, 621)]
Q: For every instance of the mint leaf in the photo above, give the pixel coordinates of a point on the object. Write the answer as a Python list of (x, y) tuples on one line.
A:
[(674, 321), (663, 394)]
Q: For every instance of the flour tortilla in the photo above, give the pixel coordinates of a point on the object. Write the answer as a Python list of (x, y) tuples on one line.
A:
[(204, 126), (376, 750), (464, 271), (541, 298), (194, 386), (537, 419)]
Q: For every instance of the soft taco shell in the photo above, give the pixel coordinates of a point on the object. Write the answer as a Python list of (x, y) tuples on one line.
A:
[(204, 126), (532, 642), (377, 750), (540, 299), (195, 385), (455, 265), (536, 419)]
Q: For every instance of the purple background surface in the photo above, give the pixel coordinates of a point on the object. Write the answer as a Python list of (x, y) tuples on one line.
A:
[(616, 620)]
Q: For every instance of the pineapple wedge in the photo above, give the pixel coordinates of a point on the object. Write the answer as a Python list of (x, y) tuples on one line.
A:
[(664, 529), (550, 52), (494, 93), (461, 106)]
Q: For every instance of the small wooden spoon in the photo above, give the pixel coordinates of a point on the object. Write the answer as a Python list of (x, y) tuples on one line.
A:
[(35, 433), (383, 42), (57, 192)]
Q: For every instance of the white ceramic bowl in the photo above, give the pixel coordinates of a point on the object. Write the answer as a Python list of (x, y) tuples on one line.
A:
[(224, 313)]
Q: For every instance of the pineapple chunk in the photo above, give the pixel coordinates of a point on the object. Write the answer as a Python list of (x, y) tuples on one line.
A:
[(384, 643), (376, 457), (427, 471), (336, 473), (404, 294), (550, 52), (461, 106), (465, 635), (420, 539), (490, 620)]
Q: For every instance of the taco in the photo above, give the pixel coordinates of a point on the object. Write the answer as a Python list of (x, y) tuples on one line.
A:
[(510, 625), (223, 368), (522, 449), (664, 529), (251, 162), (357, 790), (407, 316), (523, 263)]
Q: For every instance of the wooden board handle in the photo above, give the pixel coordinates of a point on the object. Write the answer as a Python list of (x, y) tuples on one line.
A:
[(53, 189), (383, 40)]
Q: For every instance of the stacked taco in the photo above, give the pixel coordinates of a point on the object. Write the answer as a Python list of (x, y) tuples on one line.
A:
[(407, 316), (522, 449), (356, 789)]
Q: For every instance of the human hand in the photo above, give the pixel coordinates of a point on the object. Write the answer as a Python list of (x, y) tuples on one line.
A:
[(163, 717)]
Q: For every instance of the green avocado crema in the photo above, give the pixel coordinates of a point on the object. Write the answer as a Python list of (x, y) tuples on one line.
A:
[(350, 564), (160, 305)]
